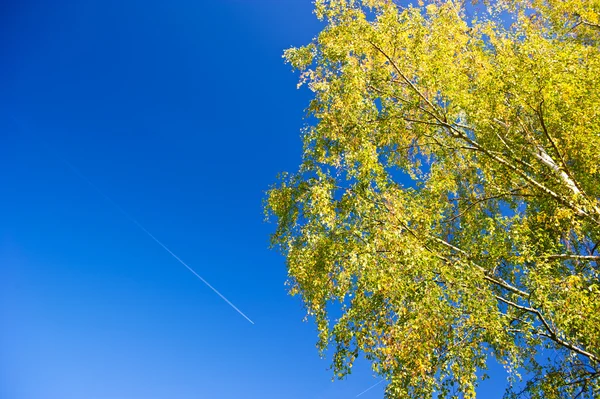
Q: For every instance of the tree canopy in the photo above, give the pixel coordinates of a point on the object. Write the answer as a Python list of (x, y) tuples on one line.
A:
[(447, 206)]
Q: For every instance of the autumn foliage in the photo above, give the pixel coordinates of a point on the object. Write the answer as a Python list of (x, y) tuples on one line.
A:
[(447, 205)]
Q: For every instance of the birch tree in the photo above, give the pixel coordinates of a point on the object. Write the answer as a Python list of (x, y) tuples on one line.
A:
[(446, 209)]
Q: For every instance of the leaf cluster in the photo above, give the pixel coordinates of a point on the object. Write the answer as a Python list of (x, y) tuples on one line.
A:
[(448, 200)]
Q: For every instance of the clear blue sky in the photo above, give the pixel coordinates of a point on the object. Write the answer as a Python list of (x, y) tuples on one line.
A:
[(183, 113)]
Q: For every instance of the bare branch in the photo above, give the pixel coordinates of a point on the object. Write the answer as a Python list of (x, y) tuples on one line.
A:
[(574, 257), (480, 200), (590, 24), (551, 334), (403, 76)]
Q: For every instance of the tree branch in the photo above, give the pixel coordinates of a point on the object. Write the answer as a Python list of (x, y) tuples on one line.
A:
[(399, 72), (574, 257), (551, 334)]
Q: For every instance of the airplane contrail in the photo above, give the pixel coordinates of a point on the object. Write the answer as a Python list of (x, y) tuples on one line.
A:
[(371, 387), (139, 225), (132, 219)]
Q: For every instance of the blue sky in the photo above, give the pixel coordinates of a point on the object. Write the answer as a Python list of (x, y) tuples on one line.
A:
[(183, 113)]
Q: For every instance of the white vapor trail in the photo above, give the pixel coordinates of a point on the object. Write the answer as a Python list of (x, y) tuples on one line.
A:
[(134, 221), (371, 387)]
